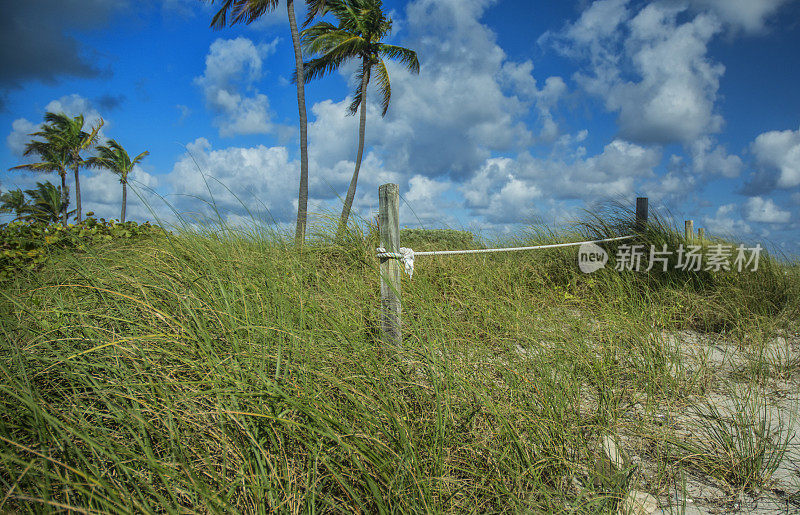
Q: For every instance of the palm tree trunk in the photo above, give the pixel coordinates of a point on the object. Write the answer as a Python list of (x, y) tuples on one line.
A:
[(77, 194), (302, 200), (124, 200), (351, 191), (65, 198)]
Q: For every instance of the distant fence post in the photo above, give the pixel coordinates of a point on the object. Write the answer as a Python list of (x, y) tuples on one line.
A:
[(689, 231), (390, 268), (701, 235), (641, 213)]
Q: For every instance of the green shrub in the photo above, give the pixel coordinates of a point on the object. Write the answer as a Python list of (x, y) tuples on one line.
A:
[(25, 246)]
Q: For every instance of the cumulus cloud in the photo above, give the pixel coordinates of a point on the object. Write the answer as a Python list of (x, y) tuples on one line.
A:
[(648, 67), (497, 194), (518, 77), (726, 222), (747, 15), (233, 67), (101, 193), (778, 153), (424, 199), (710, 159), (759, 209), (20, 135), (262, 178), (505, 189)]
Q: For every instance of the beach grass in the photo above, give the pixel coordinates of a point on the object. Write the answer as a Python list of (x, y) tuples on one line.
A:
[(221, 370)]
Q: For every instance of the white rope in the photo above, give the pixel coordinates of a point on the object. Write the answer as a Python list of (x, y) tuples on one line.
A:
[(407, 255)]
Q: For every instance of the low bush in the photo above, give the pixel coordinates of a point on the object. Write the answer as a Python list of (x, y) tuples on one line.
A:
[(24, 246)]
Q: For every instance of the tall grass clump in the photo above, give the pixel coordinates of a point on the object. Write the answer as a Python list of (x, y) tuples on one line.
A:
[(741, 442), (706, 299), (216, 369)]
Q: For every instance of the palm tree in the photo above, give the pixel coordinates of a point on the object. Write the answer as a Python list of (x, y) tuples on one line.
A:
[(362, 25), (112, 156), (67, 134), (54, 158), (47, 202), (247, 11), (14, 201)]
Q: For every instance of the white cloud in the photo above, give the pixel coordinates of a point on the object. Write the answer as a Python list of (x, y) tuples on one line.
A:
[(779, 151), (519, 78), (258, 178), (650, 69), (101, 193), (600, 21), (763, 210), (506, 190), (21, 129), (233, 66), (709, 159), (725, 222), (749, 15), (424, 199)]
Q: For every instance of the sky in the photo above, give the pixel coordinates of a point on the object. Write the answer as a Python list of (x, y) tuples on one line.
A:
[(524, 112)]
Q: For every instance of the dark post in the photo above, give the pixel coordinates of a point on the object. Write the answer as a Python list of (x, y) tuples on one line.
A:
[(641, 213)]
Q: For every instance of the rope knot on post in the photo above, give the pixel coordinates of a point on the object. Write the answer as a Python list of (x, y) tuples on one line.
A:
[(405, 255)]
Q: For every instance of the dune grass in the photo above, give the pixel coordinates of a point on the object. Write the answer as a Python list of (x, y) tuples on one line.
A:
[(221, 371)]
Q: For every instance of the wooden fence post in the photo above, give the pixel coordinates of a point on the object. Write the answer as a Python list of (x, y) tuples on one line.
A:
[(689, 231), (641, 213), (390, 268), (701, 235)]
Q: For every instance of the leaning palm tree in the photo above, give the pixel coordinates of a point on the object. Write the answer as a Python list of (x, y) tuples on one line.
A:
[(68, 134), (112, 156), (47, 202), (247, 11), (14, 201), (54, 158), (361, 27)]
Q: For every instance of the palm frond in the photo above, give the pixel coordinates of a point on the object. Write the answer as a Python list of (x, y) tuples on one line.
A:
[(398, 53), (317, 8), (330, 62), (35, 167), (47, 202), (384, 86), (241, 11), (113, 157), (358, 96)]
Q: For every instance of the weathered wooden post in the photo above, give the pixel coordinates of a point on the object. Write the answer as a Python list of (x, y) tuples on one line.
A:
[(390, 268), (641, 213), (701, 235), (689, 231)]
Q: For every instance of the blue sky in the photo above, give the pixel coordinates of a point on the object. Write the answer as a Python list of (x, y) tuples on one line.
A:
[(523, 112)]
